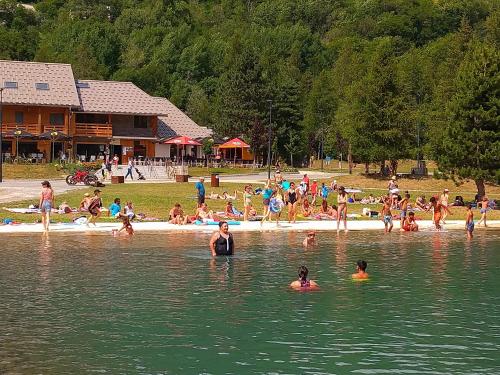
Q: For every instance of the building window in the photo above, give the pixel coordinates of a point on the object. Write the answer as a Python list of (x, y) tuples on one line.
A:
[(42, 86), (19, 118), (56, 119), (10, 85), (141, 122)]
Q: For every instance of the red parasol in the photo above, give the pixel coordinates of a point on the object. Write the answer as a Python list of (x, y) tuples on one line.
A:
[(182, 141)]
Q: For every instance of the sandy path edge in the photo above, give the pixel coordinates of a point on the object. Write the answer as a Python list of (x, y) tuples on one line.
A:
[(358, 225)]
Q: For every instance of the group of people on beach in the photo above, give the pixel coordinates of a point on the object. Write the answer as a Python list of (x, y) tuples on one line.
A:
[(306, 198)]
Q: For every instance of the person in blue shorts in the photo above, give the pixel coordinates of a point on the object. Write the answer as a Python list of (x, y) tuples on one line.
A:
[(469, 222)]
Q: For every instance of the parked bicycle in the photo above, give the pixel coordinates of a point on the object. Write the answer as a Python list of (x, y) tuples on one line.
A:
[(82, 176)]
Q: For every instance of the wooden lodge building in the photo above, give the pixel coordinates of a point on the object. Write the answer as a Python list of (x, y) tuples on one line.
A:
[(94, 117)]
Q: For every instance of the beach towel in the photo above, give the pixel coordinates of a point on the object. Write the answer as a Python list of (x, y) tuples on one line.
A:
[(211, 222), (22, 210)]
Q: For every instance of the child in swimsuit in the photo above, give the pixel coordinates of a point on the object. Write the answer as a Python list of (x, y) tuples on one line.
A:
[(387, 216), (469, 222), (437, 207), (410, 225)]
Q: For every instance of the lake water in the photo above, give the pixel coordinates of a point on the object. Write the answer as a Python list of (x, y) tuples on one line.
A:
[(158, 304)]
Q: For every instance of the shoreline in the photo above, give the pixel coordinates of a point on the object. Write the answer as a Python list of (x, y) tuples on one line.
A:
[(255, 226)]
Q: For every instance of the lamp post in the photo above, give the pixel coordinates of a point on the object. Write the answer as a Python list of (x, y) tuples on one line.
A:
[(53, 135), (1, 129), (269, 140), (17, 134)]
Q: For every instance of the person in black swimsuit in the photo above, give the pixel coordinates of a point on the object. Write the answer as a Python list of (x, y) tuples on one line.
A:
[(292, 203), (222, 242)]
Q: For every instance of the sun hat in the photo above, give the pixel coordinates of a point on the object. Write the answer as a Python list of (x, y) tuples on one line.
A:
[(86, 195)]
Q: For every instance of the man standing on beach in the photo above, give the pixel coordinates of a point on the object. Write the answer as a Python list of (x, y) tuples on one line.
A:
[(201, 191)]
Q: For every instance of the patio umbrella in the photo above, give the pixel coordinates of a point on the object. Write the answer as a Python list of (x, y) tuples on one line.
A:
[(182, 141), (54, 135), (18, 133), (235, 143)]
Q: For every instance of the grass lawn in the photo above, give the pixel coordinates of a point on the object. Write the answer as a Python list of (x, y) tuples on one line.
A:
[(155, 200), (32, 171)]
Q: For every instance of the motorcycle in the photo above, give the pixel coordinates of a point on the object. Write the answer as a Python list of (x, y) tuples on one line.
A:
[(81, 177)]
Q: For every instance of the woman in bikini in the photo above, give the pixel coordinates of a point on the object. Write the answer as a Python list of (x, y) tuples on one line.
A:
[(247, 202), (47, 201), (342, 208)]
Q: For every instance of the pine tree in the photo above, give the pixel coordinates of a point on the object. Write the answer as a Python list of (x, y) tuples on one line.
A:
[(470, 142)]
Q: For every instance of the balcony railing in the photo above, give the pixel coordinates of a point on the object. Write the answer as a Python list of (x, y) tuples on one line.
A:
[(48, 128), (95, 130), (30, 128)]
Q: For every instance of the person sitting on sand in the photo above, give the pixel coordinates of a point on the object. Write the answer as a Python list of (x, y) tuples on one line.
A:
[(231, 212), (176, 215), (310, 239), (84, 204), (360, 271), (303, 283), (409, 224)]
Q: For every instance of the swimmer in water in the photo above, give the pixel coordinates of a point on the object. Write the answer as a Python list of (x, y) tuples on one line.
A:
[(127, 227), (303, 283), (310, 239), (360, 271), (222, 242)]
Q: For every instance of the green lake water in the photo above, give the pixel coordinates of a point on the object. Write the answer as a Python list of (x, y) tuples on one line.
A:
[(158, 304)]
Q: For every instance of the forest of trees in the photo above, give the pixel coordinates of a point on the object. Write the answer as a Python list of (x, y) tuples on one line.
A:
[(382, 80)]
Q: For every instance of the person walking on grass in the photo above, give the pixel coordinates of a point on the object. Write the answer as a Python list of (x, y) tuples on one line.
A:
[(47, 201), (200, 190)]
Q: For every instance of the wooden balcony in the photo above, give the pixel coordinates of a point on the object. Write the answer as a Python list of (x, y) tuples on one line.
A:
[(48, 128), (94, 130), (30, 128)]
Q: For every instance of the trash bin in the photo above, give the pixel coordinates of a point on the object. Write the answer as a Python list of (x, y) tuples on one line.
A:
[(214, 180), (181, 178)]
